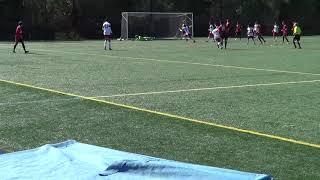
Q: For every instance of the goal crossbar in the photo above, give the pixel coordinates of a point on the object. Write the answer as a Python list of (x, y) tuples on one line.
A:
[(155, 24)]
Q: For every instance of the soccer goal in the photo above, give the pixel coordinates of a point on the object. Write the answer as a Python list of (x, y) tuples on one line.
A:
[(160, 25)]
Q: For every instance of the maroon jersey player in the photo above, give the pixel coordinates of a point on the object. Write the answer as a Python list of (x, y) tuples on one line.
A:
[(19, 37), (284, 31), (238, 30)]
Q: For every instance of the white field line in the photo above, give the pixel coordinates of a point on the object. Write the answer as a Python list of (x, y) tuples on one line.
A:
[(205, 89), (181, 62), (185, 62), (36, 101)]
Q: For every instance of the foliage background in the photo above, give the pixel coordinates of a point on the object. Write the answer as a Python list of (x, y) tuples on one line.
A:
[(72, 19)]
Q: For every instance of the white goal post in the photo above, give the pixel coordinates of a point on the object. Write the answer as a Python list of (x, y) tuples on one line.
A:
[(160, 25)]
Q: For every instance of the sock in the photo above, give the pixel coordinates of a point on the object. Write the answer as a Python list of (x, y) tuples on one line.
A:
[(105, 44), (109, 44)]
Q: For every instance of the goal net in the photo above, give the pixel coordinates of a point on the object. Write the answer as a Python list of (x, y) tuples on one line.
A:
[(159, 25)]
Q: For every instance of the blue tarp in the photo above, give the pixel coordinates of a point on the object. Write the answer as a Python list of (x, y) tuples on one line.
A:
[(73, 160)]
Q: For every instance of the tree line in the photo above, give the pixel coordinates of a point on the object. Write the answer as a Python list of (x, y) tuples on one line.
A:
[(74, 19)]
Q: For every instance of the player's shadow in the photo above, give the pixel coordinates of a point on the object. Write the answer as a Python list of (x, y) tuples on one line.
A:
[(119, 50), (35, 53), (237, 49)]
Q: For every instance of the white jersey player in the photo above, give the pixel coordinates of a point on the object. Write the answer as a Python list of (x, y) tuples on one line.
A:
[(107, 32), (275, 31), (210, 35), (250, 33), (217, 37)]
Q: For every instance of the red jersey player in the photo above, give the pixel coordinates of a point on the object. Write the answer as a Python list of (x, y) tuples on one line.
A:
[(284, 31), (19, 37), (238, 30), (258, 32), (226, 32)]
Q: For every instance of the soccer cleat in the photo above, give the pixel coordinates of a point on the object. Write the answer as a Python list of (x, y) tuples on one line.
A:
[(14, 51), (110, 49), (26, 52)]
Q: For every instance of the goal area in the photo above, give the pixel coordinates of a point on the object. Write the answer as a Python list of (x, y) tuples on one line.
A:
[(160, 25)]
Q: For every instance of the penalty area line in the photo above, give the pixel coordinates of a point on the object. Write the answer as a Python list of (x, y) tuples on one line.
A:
[(206, 89), (176, 117)]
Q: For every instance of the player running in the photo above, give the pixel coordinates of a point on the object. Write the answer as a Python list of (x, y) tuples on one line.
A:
[(217, 37), (275, 31), (284, 31), (297, 35), (186, 32), (258, 32), (19, 37), (107, 32), (238, 31), (250, 34)]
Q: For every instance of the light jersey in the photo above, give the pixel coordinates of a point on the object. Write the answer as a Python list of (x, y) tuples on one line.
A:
[(186, 30), (297, 30), (211, 28), (256, 28), (250, 32), (216, 33), (106, 27), (276, 28)]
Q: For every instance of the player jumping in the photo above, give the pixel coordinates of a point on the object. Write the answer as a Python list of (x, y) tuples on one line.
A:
[(284, 31), (107, 32), (297, 35), (19, 37), (258, 32)]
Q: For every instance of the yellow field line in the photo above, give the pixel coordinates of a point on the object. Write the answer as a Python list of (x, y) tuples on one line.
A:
[(171, 115)]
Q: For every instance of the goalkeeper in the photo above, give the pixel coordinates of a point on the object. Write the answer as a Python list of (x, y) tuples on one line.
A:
[(186, 32), (297, 35)]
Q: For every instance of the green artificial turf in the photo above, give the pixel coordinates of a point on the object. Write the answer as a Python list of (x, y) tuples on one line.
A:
[(30, 117)]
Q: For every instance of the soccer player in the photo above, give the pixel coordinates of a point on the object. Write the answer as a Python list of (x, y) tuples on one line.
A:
[(284, 31), (186, 32), (107, 32), (226, 33), (297, 35), (217, 37), (210, 29), (19, 37), (238, 30), (275, 31), (258, 32), (210, 35), (250, 33)]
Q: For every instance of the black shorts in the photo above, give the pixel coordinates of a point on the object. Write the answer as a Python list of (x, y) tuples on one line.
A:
[(296, 37), (107, 37)]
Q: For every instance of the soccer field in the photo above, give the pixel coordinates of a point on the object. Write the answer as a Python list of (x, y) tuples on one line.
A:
[(249, 108)]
